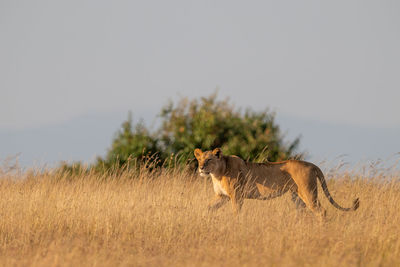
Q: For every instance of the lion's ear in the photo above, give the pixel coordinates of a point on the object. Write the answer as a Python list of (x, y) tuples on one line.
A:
[(198, 153), (217, 152)]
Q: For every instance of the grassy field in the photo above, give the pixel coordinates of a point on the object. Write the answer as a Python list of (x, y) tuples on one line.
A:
[(144, 219)]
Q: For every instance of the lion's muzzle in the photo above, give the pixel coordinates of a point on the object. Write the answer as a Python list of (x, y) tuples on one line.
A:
[(203, 172)]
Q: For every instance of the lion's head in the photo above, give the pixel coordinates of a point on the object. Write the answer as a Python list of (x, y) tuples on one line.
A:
[(209, 161)]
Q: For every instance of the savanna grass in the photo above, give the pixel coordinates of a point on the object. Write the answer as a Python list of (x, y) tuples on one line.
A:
[(150, 218)]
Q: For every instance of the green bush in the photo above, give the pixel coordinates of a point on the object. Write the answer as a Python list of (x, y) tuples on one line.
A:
[(204, 123)]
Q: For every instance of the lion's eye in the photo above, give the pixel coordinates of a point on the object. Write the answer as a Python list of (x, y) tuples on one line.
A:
[(207, 161)]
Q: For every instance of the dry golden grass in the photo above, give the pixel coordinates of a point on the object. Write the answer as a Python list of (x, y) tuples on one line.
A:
[(161, 219)]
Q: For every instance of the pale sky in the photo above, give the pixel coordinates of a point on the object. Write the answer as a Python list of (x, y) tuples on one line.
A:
[(329, 61)]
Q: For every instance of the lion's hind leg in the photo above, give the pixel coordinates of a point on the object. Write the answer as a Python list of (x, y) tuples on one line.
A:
[(310, 198), (300, 205)]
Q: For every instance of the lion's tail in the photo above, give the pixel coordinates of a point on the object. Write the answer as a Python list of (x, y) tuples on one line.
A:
[(321, 178)]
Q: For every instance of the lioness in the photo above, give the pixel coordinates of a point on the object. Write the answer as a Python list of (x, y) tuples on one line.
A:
[(236, 179)]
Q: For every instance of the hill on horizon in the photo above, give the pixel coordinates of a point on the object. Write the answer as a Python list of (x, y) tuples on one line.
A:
[(90, 135)]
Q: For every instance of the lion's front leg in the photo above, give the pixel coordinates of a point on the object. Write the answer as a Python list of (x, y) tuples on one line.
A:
[(237, 195), (237, 199), (217, 202), (237, 204)]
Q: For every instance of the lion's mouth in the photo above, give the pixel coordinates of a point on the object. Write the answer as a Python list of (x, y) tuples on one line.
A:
[(204, 172)]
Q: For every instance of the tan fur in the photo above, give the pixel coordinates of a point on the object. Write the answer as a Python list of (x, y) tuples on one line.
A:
[(235, 180)]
